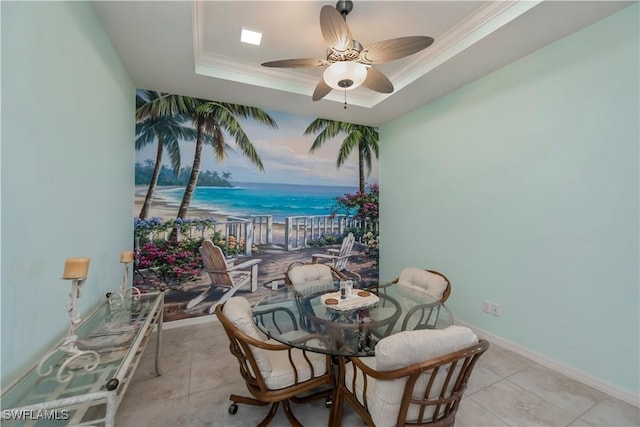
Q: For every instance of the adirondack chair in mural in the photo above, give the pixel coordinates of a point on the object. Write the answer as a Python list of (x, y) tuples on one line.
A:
[(224, 275), (338, 258)]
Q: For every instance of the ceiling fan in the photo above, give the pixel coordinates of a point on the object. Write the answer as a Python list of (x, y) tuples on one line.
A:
[(349, 63)]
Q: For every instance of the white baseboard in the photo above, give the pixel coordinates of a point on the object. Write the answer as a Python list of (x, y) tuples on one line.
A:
[(612, 390)]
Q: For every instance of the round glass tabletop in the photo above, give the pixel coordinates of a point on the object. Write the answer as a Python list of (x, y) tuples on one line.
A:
[(315, 316)]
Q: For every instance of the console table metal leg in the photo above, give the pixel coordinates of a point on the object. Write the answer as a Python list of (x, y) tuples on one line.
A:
[(159, 332), (110, 415)]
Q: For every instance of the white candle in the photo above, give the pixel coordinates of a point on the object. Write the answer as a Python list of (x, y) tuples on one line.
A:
[(126, 256), (76, 268)]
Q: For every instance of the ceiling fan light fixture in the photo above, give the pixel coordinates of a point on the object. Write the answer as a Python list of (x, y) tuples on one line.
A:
[(345, 75)]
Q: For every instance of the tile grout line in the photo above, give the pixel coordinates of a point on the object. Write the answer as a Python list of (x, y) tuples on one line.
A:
[(488, 410), (548, 401)]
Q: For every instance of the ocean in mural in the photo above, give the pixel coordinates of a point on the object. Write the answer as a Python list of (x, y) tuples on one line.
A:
[(260, 198)]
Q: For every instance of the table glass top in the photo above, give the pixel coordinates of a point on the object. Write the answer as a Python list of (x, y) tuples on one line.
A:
[(313, 315), (109, 331)]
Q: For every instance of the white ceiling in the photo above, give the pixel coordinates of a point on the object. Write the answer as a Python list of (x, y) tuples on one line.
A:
[(194, 48)]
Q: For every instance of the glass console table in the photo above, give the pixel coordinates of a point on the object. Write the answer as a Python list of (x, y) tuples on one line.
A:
[(90, 392)]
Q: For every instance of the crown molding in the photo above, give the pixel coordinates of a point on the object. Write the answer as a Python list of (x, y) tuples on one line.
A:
[(484, 21)]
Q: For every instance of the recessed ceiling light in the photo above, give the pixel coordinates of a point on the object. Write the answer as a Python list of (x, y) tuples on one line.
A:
[(251, 37)]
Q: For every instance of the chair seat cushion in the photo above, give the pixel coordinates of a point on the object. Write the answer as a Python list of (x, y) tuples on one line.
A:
[(282, 373), (424, 281), (400, 350), (310, 287)]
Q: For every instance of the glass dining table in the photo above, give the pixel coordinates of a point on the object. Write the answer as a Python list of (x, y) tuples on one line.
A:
[(316, 316)]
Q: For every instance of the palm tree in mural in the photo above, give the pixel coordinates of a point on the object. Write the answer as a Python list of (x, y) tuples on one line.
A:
[(226, 176), (364, 138), (167, 131), (211, 121)]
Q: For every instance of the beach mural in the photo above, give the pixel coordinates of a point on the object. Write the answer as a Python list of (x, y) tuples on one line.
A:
[(265, 187)]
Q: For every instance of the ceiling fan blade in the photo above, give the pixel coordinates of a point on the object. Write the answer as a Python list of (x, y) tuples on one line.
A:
[(377, 81), (296, 63), (322, 89), (389, 50), (335, 29)]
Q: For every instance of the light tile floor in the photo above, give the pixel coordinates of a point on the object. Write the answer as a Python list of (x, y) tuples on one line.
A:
[(199, 374)]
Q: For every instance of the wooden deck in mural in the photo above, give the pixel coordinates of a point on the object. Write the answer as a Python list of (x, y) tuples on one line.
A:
[(275, 261)]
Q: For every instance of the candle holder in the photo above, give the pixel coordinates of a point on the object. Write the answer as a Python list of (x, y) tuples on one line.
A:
[(75, 270), (125, 291)]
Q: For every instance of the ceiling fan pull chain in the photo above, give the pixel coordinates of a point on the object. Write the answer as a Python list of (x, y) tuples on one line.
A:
[(345, 98)]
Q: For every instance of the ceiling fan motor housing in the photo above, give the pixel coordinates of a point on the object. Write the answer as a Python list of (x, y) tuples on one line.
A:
[(334, 55), (344, 7)]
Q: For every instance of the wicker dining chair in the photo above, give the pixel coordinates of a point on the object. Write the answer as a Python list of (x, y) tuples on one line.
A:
[(430, 282), (307, 279), (274, 373), (416, 378)]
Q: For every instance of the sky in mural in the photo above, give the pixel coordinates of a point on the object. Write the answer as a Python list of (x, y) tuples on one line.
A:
[(284, 152)]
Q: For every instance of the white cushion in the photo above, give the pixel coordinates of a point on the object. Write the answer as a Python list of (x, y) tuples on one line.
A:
[(309, 272), (238, 311), (273, 365), (311, 278), (313, 286), (424, 281), (401, 350), (371, 382), (282, 373), (408, 297)]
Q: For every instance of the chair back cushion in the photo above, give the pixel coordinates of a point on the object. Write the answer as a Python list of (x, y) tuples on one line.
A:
[(310, 278), (238, 311), (404, 349), (424, 281)]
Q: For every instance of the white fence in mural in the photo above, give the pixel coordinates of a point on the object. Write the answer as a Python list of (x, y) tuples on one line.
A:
[(241, 228), (262, 229), (299, 230), (258, 230)]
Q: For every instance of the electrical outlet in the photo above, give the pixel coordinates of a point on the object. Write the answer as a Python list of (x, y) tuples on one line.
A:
[(495, 310), (486, 307)]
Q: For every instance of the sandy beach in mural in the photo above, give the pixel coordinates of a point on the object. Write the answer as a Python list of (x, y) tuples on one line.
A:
[(165, 210)]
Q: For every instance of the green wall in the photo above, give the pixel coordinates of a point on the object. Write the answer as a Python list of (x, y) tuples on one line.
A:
[(522, 187), (66, 169)]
